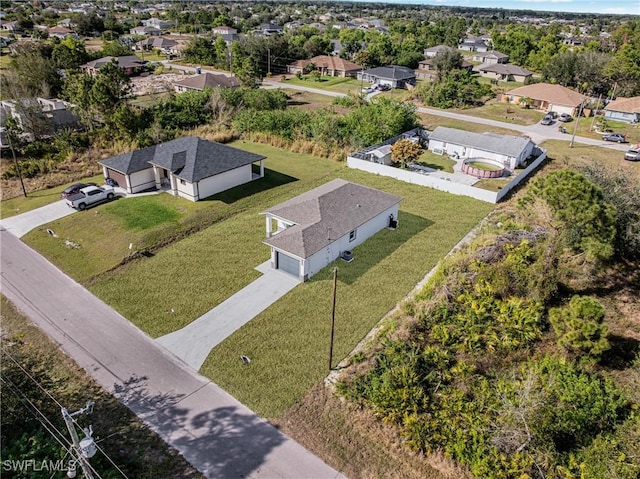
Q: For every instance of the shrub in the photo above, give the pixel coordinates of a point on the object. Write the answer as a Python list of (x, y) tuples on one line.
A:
[(579, 326)]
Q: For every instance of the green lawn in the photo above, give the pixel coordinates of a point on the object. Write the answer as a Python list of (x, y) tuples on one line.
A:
[(288, 343), (439, 162), (36, 199), (337, 84), (506, 112)]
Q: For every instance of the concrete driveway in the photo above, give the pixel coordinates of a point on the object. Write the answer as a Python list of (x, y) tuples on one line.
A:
[(194, 342), (20, 225)]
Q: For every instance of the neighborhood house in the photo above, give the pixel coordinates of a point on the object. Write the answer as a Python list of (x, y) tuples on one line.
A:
[(547, 97), (624, 109), (189, 167), (308, 232), (507, 150)]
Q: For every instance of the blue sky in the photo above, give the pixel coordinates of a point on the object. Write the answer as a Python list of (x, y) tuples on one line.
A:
[(627, 7)]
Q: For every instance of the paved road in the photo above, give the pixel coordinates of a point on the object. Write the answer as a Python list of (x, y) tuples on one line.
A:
[(21, 224), (194, 342), (213, 431)]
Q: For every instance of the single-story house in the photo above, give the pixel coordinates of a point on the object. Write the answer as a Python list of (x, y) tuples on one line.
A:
[(189, 167), (474, 44), (162, 25), (624, 109), (147, 31), (205, 80), (394, 76), (327, 65), (509, 150), (163, 44), (61, 32), (130, 64), (547, 97), (433, 51), (224, 30), (503, 72), (269, 29), (427, 70), (490, 57), (308, 232)]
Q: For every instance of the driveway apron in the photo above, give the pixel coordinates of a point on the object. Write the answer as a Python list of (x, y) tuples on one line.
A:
[(20, 225), (194, 342)]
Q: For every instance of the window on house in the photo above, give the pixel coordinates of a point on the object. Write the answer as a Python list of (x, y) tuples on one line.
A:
[(352, 235), (182, 182)]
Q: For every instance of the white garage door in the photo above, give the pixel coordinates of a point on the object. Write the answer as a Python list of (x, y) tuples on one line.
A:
[(288, 264)]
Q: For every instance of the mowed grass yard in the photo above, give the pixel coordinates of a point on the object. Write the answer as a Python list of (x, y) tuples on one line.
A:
[(288, 343)]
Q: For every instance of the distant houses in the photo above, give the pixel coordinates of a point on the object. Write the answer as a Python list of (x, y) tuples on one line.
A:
[(129, 64), (547, 97), (624, 109), (327, 65)]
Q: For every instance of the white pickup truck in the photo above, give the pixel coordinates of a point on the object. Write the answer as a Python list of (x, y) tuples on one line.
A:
[(89, 196)]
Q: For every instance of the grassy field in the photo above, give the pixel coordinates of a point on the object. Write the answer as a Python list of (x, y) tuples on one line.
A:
[(337, 84), (36, 199), (439, 162), (288, 342), (505, 112), (430, 122)]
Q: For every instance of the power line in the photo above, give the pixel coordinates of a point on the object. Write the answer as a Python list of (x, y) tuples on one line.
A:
[(4, 351), (22, 398)]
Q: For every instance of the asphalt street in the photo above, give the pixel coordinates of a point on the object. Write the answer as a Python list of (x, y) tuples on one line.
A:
[(213, 431)]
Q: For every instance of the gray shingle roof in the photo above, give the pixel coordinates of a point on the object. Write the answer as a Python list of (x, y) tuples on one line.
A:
[(326, 213), (130, 162), (503, 69), (190, 158), (208, 80), (509, 145), (193, 159), (391, 72)]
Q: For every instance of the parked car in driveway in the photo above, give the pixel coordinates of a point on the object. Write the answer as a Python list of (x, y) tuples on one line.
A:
[(547, 120), (632, 155), (89, 196), (565, 117), (616, 137), (75, 189)]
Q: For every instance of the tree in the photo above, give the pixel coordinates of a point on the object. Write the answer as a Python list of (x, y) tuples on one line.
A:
[(455, 90), (200, 50), (579, 326), (381, 119), (578, 206), (404, 151), (446, 61), (69, 53)]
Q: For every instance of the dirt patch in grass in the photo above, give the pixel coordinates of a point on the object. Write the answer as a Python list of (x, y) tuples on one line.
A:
[(354, 442), (137, 450)]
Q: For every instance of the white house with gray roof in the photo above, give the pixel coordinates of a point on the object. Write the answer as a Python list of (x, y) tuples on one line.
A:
[(308, 232), (190, 167), (511, 151)]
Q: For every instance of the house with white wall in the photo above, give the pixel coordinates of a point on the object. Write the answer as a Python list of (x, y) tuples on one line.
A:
[(189, 167), (508, 150), (308, 232)]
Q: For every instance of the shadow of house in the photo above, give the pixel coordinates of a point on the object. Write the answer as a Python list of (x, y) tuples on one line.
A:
[(271, 179), (378, 247), (223, 442)]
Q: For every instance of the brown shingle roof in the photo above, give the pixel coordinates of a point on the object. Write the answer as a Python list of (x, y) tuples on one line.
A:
[(326, 213), (555, 94), (626, 105), (329, 62), (208, 80)]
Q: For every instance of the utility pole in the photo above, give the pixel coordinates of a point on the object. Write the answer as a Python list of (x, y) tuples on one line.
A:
[(575, 128), (269, 61), (333, 315), (15, 161), (84, 449), (593, 122)]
